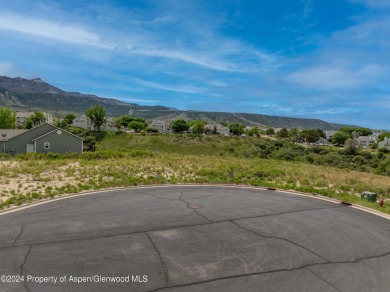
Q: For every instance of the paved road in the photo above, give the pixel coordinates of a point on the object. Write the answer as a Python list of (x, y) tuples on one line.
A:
[(195, 238)]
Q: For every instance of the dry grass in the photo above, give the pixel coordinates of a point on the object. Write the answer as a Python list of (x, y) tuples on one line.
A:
[(24, 181)]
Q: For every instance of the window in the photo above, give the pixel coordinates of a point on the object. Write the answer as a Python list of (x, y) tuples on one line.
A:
[(46, 145)]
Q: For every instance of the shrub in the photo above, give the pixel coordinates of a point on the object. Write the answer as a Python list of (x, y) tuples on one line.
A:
[(4, 156), (317, 150), (76, 131), (332, 158), (119, 132), (287, 154), (150, 130), (367, 155), (384, 150), (384, 167)]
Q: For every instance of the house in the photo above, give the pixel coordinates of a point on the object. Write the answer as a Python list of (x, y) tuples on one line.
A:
[(375, 135), (109, 125), (82, 122), (365, 141), (21, 118), (384, 144), (41, 139), (161, 126), (330, 134), (223, 130), (220, 129), (322, 142)]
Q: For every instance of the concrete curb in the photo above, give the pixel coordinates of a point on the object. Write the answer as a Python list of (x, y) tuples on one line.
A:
[(293, 192)]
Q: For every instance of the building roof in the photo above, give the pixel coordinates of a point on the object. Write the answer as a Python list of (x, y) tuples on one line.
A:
[(11, 133), (57, 129), (385, 142), (364, 138), (23, 114)]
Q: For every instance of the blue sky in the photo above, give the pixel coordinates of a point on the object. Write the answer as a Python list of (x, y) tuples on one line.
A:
[(326, 59)]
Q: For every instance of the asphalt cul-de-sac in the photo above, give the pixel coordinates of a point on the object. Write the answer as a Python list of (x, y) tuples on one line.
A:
[(193, 238)]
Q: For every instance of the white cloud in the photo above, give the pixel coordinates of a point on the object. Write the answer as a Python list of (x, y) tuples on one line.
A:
[(130, 99), (334, 76), (177, 88), (50, 29), (208, 50)]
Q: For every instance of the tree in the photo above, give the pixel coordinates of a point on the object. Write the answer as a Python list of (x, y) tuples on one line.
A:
[(359, 131), (124, 120), (141, 120), (270, 131), (97, 115), (311, 136), (254, 131), (7, 118), (383, 135), (68, 119), (340, 137), (321, 133), (350, 146), (294, 135), (193, 122), (38, 118), (237, 129), (180, 126), (283, 133), (29, 123), (198, 127), (136, 125)]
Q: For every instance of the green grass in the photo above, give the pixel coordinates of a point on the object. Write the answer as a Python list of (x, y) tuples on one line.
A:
[(130, 160)]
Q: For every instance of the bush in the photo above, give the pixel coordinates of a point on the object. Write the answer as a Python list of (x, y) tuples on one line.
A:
[(105, 154), (5, 156), (99, 135), (150, 130), (287, 154), (76, 130), (332, 159), (317, 150), (367, 155), (119, 132), (384, 150), (30, 156), (384, 167)]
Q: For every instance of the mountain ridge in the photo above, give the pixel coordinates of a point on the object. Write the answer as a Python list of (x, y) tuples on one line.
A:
[(35, 94)]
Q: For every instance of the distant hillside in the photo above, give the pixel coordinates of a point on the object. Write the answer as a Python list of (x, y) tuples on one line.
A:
[(35, 94)]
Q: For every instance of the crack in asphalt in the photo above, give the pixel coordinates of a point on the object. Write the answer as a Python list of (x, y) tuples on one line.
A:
[(165, 269), (280, 238), (195, 211), (248, 217), (22, 267), (168, 228), (234, 277), (106, 236), (306, 266), (318, 276), (179, 199), (164, 266), (20, 233)]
